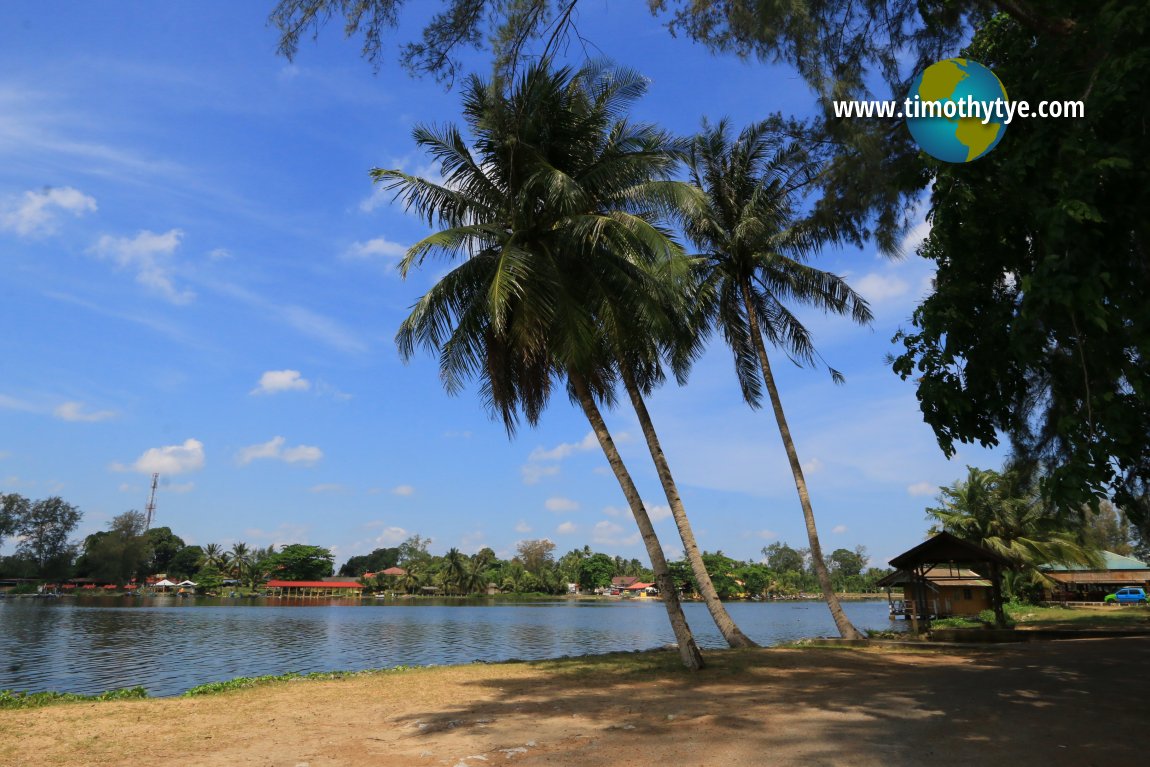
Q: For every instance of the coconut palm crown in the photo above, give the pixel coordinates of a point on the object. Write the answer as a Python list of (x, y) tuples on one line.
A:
[(552, 220), (753, 263)]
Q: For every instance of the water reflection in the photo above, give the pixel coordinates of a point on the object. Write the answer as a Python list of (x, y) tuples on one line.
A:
[(169, 645)]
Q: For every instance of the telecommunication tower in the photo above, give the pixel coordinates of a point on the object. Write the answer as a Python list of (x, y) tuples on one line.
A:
[(150, 509)]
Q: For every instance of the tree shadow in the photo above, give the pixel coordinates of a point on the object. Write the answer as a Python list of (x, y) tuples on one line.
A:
[(1048, 703)]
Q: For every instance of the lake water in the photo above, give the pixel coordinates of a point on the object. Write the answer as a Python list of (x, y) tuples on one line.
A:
[(168, 645)]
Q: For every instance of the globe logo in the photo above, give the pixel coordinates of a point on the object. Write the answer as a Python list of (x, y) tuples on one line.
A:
[(955, 110)]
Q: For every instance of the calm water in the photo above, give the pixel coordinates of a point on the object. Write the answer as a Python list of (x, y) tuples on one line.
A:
[(169, 645)]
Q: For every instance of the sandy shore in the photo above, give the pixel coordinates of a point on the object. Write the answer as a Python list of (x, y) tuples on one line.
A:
[(1081, 702)]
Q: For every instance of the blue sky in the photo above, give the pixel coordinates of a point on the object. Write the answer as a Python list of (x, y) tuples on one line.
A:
[(199, 280)]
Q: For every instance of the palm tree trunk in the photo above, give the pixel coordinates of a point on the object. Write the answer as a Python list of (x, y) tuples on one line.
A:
[(688, 650), (842, 622), (734, 636)]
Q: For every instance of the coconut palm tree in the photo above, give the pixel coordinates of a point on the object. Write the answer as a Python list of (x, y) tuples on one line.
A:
[(753, 262), (995, 510), (240, 559), (545, 220), (214, 556), (455, 571)]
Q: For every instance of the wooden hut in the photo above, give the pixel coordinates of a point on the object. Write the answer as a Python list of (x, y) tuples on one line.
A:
[(942, 575)]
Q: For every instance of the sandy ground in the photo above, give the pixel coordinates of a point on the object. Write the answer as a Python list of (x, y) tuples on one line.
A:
[(1080, 703)]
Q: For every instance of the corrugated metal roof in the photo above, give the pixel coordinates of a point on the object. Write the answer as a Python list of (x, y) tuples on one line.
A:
[(1111, 561)]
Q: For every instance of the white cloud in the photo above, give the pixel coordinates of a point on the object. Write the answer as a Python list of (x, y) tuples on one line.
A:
[(839, 529), (274, 381), (922, 488), (74, 411), (275, 449), (559, 503), (391, 536), (914, 238), (180, 487), (404, 490), (610, 534), (171, 459), (533, 472), (11, 403), (813, 466), (373, 248), (565, 449), (327, 487), (35, 212), (522, 527), (877, 288), (657, 511), (614, 511), (566, 528), (150, 255)]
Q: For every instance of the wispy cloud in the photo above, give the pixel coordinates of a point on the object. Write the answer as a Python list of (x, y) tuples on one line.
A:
[(922, 488), (274, 381), (74, 411), (151, 256), (534, 472), (564, 449), (610, 534), (276, 449), (566, 528), (542, 462), (304, 321), (379, 247), (403, 490), (559, 504), (36, 212)]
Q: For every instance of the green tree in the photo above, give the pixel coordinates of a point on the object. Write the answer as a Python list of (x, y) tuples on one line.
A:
[(595, 572), (546, 216), (753, 262), (413, 551), (300, 562), (164, 545), (782, 558), (1038, 327), (376, 561), (44, 529), (13, 508), (186, 563), (121, 553), (845, 563), (1107, 528)]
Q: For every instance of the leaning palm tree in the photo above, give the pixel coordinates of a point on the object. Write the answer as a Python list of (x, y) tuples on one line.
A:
[(753, 262), (544, 220)]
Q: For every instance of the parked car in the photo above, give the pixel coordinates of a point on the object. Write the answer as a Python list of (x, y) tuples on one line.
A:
[(1128, 596)]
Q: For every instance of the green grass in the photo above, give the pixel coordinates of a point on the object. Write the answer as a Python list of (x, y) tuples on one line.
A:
[(10, 699), (1031, 616), (247, 682)]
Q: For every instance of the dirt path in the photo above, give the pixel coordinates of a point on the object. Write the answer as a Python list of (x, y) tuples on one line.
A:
[(1067, 703)]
